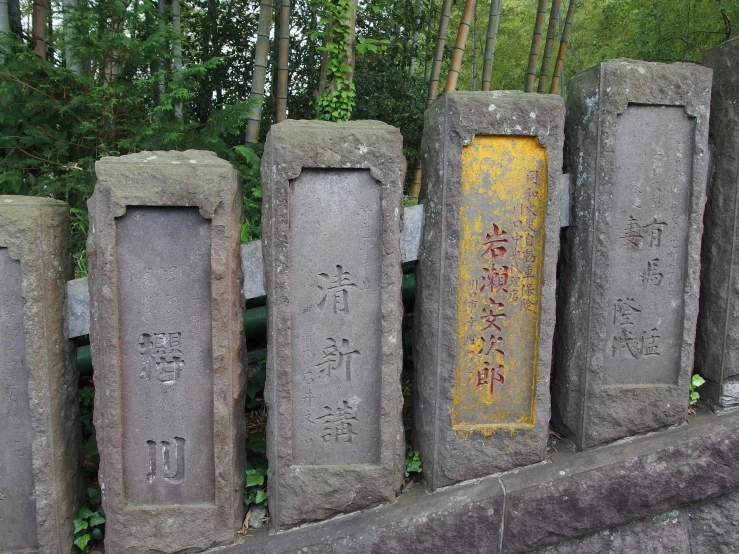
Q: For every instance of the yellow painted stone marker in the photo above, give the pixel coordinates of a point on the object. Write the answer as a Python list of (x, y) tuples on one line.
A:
[(501, 250)]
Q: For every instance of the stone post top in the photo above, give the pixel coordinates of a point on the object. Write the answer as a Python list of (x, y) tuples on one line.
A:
[(642, 68), (641, 63), (189, 178), (366, 144), (166, 157), (466, 114), (624, 81), (501, 104), (722, 49), (32, 201), (348, 126), (483, 96)]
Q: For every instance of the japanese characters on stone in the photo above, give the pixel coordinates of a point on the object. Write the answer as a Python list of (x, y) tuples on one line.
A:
[(648, 241), (336, 285)]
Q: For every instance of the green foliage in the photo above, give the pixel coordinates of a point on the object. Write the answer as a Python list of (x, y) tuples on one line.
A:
[(86, 400), (250, 158), (80, 225), (655, 30), (89, 525), (695, 381), (412, 461), (337, 100), (256, 473), (253, 398), (59, 122), (256, 487)]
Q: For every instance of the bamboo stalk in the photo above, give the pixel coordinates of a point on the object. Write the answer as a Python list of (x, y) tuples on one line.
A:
[(557, 74), (492, 38), (4, 21), (71, 58), (283, 59), (414, 40), (462, 33), (446, 9), (546, 59), (535, 46), (177, 51), (162, 43), (260, 71), (39, 28), (14, 14)]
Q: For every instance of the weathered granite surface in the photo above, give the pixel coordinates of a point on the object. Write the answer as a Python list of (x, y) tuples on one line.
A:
[(717, 340), (714, 525), (665, 533), (711, 526), (40, 463), (453, 450), (572, 495), (78, 308), (167, 344), (332, 215), (627, 306)]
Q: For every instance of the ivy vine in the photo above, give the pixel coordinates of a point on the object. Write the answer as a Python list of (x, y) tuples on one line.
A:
[(338, 97)]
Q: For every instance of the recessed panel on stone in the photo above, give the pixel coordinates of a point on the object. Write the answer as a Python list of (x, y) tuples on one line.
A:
[(41, 485), (331, 222), (501, 256), (167, 342), (717, 339), (651, 191), (335, 250), (628, 301), (485, 282), (166, 355), (18, 505)]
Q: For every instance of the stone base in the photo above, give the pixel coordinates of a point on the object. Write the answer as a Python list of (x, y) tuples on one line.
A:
[(633, 492)]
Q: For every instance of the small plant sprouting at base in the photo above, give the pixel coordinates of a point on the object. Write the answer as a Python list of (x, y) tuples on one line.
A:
[(256, 492), (88, 525), (412, 461), (695, 381)]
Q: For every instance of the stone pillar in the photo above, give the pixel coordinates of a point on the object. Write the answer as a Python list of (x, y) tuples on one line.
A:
[(40, 479), (331, 224), (485, 282), (628, 300), (717, 341), (166, 340)]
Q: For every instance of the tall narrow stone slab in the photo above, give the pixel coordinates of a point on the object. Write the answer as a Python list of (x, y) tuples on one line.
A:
[(637, 148), (485, 282), (331, 224), (40, 461), (167, 345), (717, 340)]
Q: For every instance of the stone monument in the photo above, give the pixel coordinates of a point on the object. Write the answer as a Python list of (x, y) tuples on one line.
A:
[(40, 464), (167, 345), (485, 282), (331, 225), (717, 341), (636, 146)]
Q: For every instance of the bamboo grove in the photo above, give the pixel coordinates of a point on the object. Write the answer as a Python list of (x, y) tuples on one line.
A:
[(81, 79)]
